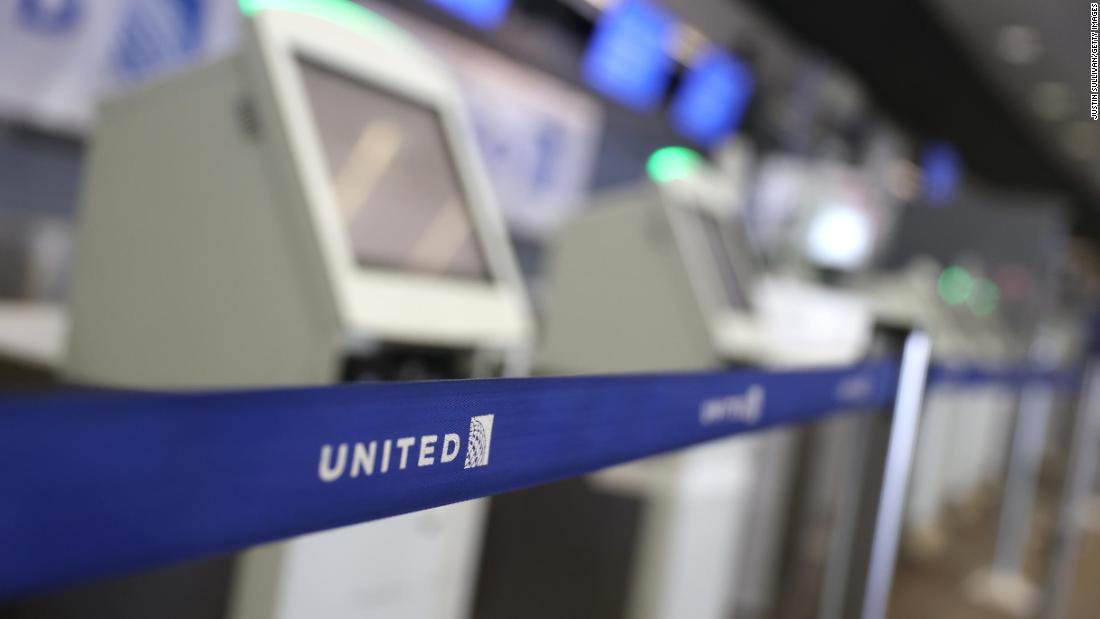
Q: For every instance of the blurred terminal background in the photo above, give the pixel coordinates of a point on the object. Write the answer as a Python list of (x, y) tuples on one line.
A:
[(864, 144)]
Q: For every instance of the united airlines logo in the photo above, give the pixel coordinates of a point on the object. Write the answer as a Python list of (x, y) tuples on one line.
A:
[(855, 389), (744, 408), (478, 441), (379, 457)]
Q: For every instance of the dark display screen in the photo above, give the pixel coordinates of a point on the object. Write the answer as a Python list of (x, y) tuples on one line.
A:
[(731, 256), (391, 172)]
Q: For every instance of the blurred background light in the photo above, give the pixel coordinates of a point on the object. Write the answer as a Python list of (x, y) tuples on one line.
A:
[(1018, 44), (484, 14), (942, 171), (839, 237), (689, 43), (955, 285), (628, 56), (715, 92), (1052, 100), (344, 12), (1081, 140), (985, 297), (1017, 283), (673, 163)]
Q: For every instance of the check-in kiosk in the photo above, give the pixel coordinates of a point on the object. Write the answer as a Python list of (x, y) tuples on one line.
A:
[(660, 277), (310, 210)]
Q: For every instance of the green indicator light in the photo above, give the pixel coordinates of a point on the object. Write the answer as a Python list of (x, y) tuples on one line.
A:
[(673, 163), (343, 12), (955, 285), (986, 297)]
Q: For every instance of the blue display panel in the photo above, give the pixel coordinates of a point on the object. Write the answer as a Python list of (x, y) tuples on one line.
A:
[(942, 171), (710, 103), (627, 58), (481, 13)]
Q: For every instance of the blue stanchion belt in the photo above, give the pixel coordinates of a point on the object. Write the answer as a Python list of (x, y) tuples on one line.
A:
[(99, 483), (964, 375), (93, 484)]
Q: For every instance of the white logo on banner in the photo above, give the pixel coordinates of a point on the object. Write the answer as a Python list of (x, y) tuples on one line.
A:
[(855, 388), (381, 457), (478, 441), (744, 408)]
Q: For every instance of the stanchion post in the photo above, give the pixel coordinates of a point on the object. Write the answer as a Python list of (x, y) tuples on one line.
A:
[(1079, 485), (860, 568), (1014, 524), (1005, 583)]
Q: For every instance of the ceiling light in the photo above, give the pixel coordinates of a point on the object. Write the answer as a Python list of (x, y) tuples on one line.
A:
[(1080, 140), (1018, 44), (1052, 101)]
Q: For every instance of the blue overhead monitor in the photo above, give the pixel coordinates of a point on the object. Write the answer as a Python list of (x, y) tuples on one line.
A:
[(481, 13), (941, 168), (710, 103), (627, 58)]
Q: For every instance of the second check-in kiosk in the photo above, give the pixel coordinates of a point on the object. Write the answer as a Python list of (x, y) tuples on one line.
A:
[(663, 278)]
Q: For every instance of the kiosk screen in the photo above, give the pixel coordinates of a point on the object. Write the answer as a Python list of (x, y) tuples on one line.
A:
[(390, 166), (729, 263)]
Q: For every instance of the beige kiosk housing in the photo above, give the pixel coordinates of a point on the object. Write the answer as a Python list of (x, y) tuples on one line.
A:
[(308, 210), (661, 277)]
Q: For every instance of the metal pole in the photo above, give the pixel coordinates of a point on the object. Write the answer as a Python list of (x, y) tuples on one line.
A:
[(899, 463), (839, 580), (864, 550), (1080, 483), (1004, 584), (1025, 459)]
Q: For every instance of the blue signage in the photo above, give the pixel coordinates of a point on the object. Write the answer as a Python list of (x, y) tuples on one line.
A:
[(710, 103), (627, 58), (50, 18), (942, 171), (481, 13), (154, 34)]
